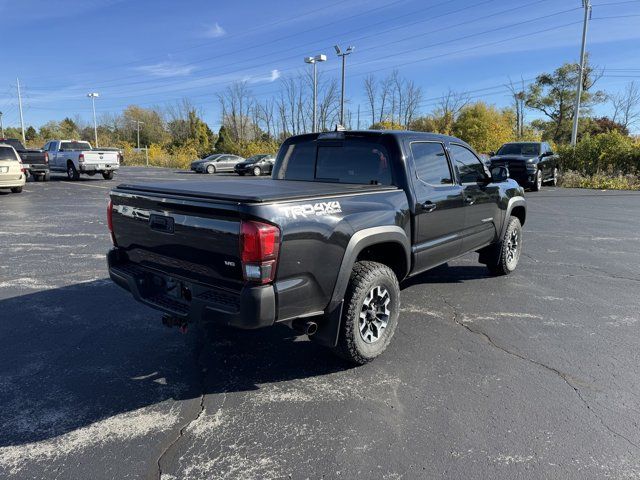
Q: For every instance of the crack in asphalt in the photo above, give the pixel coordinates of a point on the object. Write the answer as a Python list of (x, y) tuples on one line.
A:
[(587, 268), (553, 370)]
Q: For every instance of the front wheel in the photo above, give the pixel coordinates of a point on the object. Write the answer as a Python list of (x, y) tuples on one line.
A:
[(107, 175), (16, 189), (257, 172), (370, 315), (537, 183), (211, 169), (502, 259)]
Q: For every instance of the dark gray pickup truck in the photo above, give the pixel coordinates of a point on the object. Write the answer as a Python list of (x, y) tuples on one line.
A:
[(323, 244), (34, 161)]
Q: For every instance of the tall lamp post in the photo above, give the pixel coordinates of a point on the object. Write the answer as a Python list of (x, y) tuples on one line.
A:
[(138, 123), (342, 54), (93, 97), (314, 61), (1, 127)]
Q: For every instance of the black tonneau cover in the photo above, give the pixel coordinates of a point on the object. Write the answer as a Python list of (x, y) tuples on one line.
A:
[(251, 191)]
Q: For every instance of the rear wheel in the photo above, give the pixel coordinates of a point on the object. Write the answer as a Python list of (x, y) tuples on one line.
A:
[(370, 316), (16, 189), (72, 173), (107, 175), (257, 172), (502, 259), (211, 169), (46, 177)]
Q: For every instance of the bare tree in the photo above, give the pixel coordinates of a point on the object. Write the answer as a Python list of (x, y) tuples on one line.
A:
[(237, 104), (518, 96), (412, 99), (386, 90), (626, 105), (328, 104), (371, 90)]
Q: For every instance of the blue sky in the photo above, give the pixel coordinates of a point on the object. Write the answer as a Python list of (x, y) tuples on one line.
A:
[(158, 52)]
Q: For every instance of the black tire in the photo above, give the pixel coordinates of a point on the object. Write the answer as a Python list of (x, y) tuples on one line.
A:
[(373, 282), (537, 183), (107, 175), (45, 177), (72, 173), (502, 258), (257, 171), (16, 189), (211, 169)]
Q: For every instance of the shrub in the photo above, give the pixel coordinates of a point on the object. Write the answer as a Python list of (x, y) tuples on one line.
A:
[(610, 152), (601, 181)]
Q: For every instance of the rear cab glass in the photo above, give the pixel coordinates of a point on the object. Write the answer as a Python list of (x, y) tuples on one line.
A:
[(74, 146), (337, 159), (7, 153)]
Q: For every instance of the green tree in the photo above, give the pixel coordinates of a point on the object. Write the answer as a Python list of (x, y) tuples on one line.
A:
[(484, 127), (221, 144), (554, 94), (30, 134), (69, 128)]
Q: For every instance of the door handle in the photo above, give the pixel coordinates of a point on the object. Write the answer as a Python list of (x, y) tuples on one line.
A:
[(429, 206)]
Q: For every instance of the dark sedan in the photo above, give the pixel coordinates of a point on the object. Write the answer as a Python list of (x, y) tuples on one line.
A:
[(256, 165), (529, 163)]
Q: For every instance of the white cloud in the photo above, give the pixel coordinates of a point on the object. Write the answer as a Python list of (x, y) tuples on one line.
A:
[(166, 69), (215, 31), (272, 77)]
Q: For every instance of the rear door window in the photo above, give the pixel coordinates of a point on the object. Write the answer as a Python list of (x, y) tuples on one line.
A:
[(431, 163)]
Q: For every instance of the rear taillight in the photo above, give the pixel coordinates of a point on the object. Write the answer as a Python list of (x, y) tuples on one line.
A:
[(259, 246), (46, 157), (81, 158), (21, 167), (110, 221)]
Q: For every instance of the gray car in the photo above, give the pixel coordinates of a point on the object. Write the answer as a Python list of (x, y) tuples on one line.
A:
[(220, 162)]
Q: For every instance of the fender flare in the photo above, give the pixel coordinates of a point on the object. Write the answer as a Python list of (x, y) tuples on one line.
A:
[(329, 329), (513, 202)]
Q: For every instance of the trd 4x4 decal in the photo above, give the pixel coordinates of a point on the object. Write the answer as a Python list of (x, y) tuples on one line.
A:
[(312, 209)]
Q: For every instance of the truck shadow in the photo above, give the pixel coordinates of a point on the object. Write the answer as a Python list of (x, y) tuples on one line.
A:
[(448, 274), (72, 356)]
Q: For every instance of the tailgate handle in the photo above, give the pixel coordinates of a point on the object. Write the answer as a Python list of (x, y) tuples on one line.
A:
[(161, 223)]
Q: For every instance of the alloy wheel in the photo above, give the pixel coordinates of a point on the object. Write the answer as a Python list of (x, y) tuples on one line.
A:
[(374, 315)]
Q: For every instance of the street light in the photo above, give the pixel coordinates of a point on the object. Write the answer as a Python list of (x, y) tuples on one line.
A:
[(93, 97), (314, 61), (342, 54), (138, 122)]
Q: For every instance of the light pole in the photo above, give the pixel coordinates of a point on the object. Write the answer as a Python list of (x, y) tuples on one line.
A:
[(342, 54), (93, 97), (314, 61), (1, 126), (576, 114)]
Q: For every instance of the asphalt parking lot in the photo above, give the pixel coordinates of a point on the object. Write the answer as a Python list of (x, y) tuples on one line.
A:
[(535, 375)]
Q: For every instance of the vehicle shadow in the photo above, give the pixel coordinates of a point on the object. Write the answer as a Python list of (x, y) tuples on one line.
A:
[(75, 355), (448, 274)]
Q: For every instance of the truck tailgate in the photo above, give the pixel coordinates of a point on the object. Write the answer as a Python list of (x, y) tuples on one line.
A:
[(190, 239), (100, 157)]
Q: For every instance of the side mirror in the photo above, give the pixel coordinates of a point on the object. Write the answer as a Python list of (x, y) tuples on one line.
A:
[(499, 174)]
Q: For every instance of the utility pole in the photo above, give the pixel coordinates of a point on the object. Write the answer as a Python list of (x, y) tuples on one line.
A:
[(314, 61), (24, 140), (358, 116), (93, 97), (586, 4), (138, 122), (1, 127), (342, 54)]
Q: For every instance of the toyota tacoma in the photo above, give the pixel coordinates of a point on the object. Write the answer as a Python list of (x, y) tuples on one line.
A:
[(324, 243)]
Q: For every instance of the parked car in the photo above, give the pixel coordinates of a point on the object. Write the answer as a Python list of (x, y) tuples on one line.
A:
[(77, 157), (529, 163), (34, 162), (12, 173), (322, 245), (220, 162), (256, 165)]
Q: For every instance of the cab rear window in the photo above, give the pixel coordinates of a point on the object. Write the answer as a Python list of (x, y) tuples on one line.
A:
[(7, 153), (350, 160)]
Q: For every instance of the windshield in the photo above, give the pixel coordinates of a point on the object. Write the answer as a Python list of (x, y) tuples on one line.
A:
[(347, 160), (75, 146), (523, 149), (7, 153), (13, 142)]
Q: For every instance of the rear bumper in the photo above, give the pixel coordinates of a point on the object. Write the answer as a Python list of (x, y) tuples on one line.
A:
[(252, 307), (13, 183), (35, 168), (94, 167)]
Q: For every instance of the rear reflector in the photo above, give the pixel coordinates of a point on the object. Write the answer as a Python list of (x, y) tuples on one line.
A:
[(46, 157), (259, 247)]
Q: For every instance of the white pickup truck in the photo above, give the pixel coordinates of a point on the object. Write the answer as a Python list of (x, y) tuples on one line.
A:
[(76, 157)]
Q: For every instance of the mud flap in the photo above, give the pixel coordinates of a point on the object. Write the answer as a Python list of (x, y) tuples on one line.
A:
[(329, 329)]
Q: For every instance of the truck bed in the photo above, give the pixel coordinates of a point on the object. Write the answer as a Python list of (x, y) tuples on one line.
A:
[(252, 191)]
